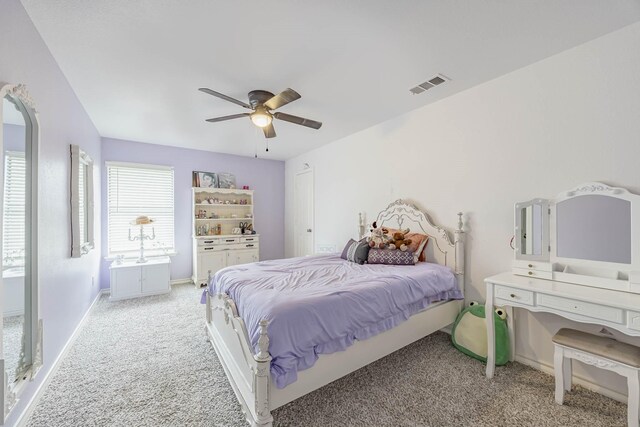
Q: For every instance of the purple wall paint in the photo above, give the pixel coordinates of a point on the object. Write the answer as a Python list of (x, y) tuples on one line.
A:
[(66, 289), (266, 177)]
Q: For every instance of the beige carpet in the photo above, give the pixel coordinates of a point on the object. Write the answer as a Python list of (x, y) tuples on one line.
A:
[(146, 362)]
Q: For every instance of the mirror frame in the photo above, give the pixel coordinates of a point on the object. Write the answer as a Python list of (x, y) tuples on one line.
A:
[(78, 248), (545, 249), (32, 344), (610, 275)]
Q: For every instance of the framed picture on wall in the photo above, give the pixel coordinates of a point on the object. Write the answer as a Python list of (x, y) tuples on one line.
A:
[(204, 179), (226, 180)]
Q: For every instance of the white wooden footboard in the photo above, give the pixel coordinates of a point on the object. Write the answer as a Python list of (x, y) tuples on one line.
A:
[(248, 373)]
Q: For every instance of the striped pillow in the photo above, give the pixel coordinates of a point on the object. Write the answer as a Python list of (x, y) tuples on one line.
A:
[(356, 251)]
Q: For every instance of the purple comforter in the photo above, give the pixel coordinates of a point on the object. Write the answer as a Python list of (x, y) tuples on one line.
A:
[(321, 304)]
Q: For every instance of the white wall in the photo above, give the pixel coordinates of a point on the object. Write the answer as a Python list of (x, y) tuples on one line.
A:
[(570, 118)]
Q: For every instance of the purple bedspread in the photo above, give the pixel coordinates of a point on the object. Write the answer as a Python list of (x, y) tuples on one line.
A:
[(321, 304)]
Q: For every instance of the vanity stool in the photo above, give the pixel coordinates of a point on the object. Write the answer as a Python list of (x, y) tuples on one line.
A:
[(602, 352)]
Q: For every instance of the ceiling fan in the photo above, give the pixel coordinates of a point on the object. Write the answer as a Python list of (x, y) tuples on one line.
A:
[(263, 103)]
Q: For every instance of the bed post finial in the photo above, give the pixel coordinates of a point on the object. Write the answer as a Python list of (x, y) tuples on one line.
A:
[(263, 342), (459, 246)]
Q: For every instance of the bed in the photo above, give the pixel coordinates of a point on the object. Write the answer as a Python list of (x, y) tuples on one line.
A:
[(284, 328)]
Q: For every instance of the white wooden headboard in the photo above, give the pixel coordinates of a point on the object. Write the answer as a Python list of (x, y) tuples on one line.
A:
[(441, 248)]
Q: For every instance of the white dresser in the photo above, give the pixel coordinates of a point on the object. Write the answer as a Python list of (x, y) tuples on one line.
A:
[(132, 280), (215, 253), (219, 217)]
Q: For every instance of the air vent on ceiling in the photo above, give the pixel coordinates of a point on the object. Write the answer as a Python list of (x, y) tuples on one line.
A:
[(435, 81)]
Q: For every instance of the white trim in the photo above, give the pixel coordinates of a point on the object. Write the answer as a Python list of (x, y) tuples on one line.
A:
[(137, 165), (577, 379), (31, 406), (181, 282)]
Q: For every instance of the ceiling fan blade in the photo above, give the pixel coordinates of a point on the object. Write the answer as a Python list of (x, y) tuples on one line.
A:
[(269, 131), (281, 99), (223, 118), (225, 97), (298, 120)]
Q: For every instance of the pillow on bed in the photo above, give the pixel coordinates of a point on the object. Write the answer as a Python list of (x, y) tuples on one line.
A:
[(356, 251), (391, 257), (418, 243)]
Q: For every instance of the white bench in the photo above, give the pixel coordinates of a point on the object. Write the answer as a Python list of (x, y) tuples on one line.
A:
[(602, 352)]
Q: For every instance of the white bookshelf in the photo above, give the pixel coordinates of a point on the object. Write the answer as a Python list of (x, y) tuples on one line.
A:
[(216, 213)]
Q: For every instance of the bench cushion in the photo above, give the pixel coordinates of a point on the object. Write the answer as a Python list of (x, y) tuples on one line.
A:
[(599, 346)]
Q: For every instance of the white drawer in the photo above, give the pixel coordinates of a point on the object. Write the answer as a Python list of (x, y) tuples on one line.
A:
[(533, 273), (633, 320), (227, 240), (208, 242), (249, 239), (532, 265), (515, 295), (587, 309)]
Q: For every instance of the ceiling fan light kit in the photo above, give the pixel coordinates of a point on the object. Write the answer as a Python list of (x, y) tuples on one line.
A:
[(261, 117), (262, 102)]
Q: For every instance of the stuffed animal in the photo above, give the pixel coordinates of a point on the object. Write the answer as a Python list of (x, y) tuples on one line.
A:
[(379, 237), (399, 242), (469, 334)]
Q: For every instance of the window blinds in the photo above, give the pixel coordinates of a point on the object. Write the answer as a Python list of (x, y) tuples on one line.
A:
[(135, 190), (13, 227)]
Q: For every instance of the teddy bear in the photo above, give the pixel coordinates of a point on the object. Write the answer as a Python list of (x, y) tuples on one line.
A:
[(398, 240), (379, 237)]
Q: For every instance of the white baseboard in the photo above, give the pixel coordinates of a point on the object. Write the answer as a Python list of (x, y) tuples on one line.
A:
[(31, 406), (577, 379), (181, 282)]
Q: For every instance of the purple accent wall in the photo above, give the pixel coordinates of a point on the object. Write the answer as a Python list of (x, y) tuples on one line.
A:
[(67, 287), (265, 177)]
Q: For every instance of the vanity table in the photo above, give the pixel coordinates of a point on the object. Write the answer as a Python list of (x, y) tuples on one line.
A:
[(576, 256)]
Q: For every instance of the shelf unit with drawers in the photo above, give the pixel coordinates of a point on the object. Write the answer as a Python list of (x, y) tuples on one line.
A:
[(223, 210)]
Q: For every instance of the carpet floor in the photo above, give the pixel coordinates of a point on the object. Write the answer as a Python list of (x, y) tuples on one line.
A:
[(146, 362), (13, 328)]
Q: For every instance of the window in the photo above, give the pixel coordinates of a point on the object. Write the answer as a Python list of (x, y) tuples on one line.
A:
[(13, 227), (135, 190)]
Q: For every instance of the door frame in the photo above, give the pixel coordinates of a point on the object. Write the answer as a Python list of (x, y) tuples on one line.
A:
[(296, 213)]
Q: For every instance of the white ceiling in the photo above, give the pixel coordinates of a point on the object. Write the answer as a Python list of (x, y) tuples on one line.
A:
[(136, 65)]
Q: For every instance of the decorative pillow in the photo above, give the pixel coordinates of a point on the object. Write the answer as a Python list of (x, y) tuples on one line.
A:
[(356, 251), (390, 257), (418, 243)]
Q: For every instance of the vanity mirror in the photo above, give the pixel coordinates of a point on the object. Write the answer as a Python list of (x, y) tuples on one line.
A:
[(20, 327), (531, 241), (593, 238)]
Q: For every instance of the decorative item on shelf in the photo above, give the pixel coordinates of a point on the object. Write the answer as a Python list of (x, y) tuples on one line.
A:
[(243, 227), (141, 221), (219, 229), (249, 229), (214, 216), (226, 202), (233, 215), (226, 180), (236, 230), (245, 187), (204, 179), (248, 215), (119, 259)]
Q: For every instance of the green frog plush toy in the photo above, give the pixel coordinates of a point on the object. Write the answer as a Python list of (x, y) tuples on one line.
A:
[(469, 333)]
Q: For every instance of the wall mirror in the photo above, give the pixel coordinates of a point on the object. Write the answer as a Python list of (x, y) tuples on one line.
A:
[(82, 240), (531, 239), (20, 327)]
